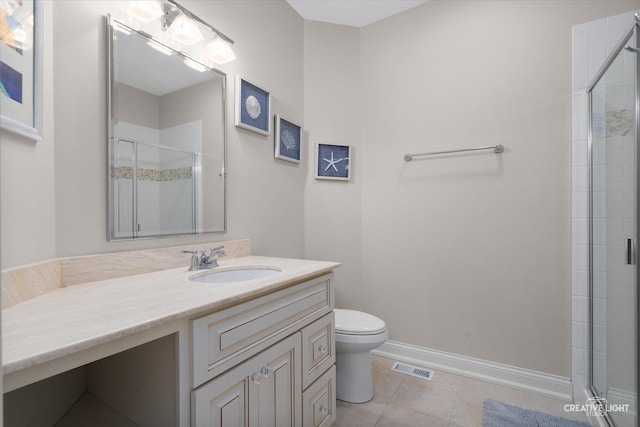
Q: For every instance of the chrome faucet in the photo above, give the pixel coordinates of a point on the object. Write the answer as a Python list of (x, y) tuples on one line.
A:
[(205, 261), (211, 260)]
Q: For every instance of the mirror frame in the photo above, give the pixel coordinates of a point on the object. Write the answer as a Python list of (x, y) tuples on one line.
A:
[(111, 105)]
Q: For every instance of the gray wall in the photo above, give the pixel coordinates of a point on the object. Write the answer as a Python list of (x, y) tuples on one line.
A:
[(333, 115), (27, 181), (468, 254), (137, 106)]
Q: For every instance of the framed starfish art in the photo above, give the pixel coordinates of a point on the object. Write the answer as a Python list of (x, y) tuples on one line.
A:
[(333, 162)]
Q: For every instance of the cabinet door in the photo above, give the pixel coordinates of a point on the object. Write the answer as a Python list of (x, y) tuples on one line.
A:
[(276, 388), (264, 391), (222, 402)]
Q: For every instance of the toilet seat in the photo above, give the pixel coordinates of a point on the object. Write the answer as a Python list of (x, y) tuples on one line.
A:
[(352, 322)]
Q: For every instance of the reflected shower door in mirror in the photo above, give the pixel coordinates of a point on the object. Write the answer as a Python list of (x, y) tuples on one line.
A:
[(167, 141)]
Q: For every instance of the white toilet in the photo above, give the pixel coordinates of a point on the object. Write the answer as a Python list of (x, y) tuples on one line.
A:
[(357, 333)]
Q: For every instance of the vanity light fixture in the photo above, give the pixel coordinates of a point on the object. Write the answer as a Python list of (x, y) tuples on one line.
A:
[(144, 11), (218, 51), (184, 28)]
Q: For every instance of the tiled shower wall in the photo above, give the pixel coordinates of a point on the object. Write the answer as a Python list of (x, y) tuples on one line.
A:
[(592, 43)]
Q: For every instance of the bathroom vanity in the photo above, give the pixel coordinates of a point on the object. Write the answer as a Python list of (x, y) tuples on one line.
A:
[(159, 348)]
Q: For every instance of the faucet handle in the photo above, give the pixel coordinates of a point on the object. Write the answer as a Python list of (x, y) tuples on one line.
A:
[(194, 259)]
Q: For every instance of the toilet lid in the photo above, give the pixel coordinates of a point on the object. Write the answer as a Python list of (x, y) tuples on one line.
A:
[(358, 323)]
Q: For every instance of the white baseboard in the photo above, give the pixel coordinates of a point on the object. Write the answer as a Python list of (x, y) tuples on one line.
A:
[(524, 379)]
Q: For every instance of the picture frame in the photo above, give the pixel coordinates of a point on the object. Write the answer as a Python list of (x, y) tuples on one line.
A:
[(333, 162), (253, 107), (287, 140), (21, 69)]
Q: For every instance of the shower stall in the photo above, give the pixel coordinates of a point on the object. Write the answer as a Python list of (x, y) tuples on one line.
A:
[(614, 104), (156, 190)]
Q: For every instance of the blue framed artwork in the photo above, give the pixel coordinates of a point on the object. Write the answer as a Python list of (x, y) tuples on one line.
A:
[(253, 107), (287, 141), (333, 162), (21, 67)]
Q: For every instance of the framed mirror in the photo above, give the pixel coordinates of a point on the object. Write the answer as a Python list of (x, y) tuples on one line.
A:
[(166, 139)]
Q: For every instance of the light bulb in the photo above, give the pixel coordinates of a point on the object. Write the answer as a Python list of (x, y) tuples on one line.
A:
[(218, 51), (185, 30)]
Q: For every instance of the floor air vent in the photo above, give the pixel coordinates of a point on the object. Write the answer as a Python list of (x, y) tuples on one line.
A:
[(412, 370)]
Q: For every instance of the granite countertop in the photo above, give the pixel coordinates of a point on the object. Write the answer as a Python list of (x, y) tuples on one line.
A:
[(75, 318)]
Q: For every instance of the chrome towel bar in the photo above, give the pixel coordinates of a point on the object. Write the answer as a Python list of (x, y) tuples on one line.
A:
[(499, 148)]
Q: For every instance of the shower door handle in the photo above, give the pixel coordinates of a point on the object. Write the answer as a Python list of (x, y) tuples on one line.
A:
[(630, 252)]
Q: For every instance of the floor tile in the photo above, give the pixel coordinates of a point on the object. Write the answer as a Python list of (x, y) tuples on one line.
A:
[(394, 416), (446, 400), (433, 397), (468, 406), (358, 415), (385, 380)]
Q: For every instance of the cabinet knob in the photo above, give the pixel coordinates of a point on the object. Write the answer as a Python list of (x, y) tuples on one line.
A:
[(322, 348), (265, 371), (256, 378), (323, 410)]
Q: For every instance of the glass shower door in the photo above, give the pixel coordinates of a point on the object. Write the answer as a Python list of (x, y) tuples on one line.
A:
[(614, 217)]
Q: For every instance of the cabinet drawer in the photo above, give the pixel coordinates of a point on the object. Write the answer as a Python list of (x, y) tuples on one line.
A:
[(318, 348), (222, 339), (319, 401)]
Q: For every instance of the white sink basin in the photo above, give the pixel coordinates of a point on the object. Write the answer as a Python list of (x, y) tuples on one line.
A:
[(238, 275)]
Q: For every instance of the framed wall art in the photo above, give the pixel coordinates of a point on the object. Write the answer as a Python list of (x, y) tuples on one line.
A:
[(333, 162), (253, 107), (21, 67), (287, 141)]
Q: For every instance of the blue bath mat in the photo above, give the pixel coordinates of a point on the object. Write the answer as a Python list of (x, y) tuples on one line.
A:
[(498, 414)]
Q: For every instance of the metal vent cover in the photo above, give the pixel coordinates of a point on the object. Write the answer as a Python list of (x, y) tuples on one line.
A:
[(412, 370)]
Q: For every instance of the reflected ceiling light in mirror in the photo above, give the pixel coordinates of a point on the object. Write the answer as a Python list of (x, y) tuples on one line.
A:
[(195, 65), (144, 11), (160, 47), (218, 51)]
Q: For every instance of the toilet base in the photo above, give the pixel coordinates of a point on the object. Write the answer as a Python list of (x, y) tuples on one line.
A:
[(354, 377)]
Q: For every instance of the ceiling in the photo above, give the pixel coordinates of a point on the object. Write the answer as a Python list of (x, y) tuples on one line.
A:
[(355, 13)]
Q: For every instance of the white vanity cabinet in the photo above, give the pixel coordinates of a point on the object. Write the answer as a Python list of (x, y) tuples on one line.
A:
[(268, 361)]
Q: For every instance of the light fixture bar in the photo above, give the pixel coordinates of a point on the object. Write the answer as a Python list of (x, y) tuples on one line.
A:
[(200, 20)]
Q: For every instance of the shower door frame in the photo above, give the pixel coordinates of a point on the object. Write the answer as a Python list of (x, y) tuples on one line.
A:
[(635, 29)]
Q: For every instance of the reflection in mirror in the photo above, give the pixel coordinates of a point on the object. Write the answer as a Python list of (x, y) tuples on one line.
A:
[(167, 141)]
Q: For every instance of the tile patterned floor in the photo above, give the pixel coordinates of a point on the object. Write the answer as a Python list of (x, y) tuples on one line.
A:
[(446, 400)]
